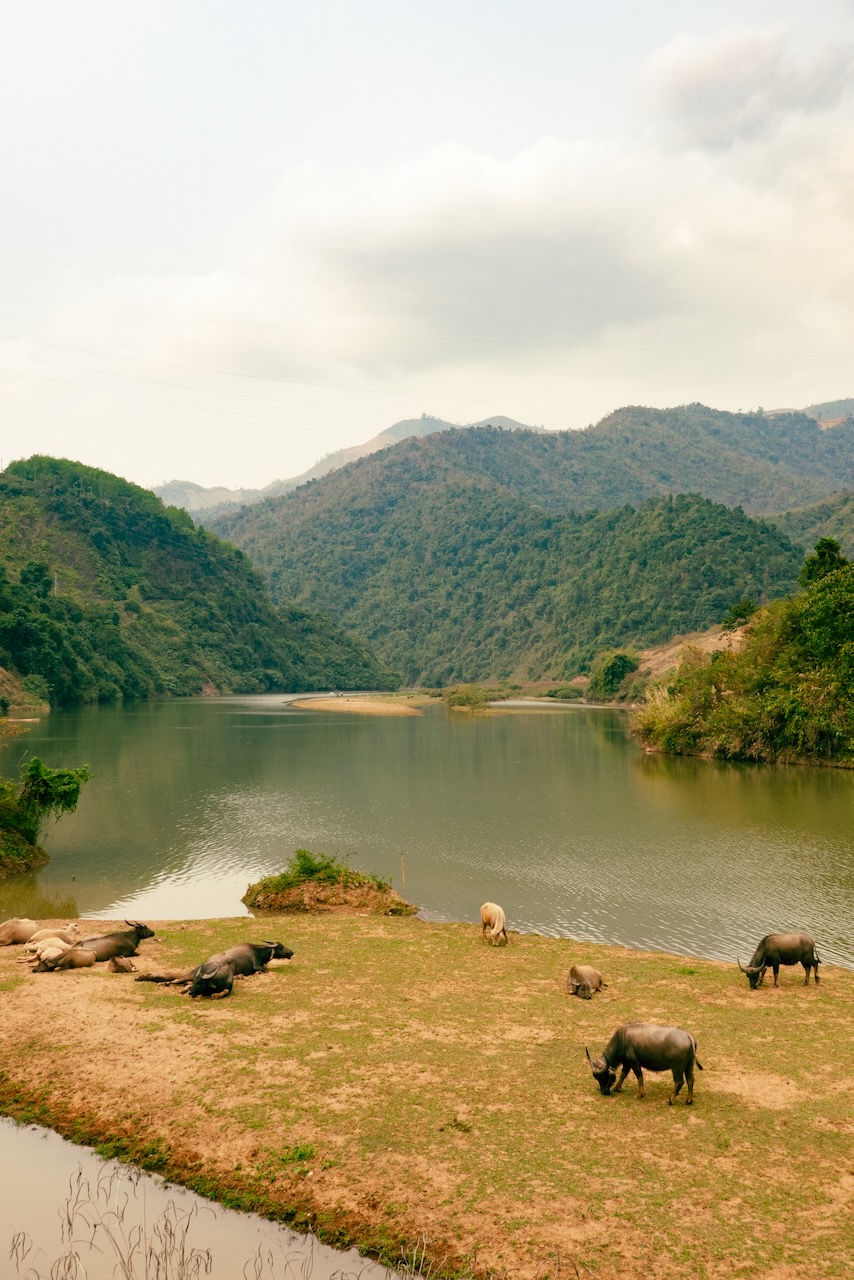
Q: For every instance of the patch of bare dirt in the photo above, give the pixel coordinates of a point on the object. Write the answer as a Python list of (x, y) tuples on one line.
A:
[(662, 658), (763, 1090)]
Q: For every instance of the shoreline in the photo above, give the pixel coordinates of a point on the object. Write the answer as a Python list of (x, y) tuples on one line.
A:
[(439, 1088)]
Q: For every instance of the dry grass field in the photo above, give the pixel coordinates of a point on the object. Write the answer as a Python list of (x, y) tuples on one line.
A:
[(401, 1082)]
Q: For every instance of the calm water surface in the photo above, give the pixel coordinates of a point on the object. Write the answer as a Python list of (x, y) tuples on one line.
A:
[(554, 813), (116, 1203)]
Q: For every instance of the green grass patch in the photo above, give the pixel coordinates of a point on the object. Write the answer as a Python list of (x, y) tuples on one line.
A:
[(400, 1080)]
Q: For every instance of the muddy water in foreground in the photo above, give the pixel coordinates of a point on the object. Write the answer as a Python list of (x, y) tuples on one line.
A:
[(44, 1177)]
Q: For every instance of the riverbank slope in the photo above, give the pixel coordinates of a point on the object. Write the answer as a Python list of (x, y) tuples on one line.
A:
[(399, 1081)]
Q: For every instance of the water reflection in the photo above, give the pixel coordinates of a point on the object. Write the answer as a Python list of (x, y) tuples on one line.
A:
[(554, 814), (104, 1219)]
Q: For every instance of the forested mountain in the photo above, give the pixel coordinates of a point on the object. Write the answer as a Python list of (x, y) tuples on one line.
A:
[(106, 593), (463, 581), (831, 519), (473, 554), (207, 503)]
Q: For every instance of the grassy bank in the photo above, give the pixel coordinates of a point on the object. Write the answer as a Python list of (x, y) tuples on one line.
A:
[(400, 1081)]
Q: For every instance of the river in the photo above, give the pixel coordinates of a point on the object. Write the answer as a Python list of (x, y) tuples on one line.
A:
[(553, 812)]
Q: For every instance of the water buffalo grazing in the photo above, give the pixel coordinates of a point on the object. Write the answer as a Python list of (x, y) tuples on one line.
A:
[(640, 1046), (493, 923), (14, 932), (74, 958), (121, 964), (781, 948), (583, 981)]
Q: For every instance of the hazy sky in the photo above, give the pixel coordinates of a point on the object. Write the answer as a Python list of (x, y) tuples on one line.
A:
[(236, 236)]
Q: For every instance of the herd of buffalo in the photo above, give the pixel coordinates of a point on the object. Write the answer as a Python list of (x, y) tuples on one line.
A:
[(635, 1047), (647, 1046)]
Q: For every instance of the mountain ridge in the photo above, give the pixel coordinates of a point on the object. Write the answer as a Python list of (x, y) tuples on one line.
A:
[(213, 501)]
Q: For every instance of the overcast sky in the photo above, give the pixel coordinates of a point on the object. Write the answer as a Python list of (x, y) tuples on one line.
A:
[(237, 236)]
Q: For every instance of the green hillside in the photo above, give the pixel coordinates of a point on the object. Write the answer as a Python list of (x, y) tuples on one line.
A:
[(477, 554), (464, 582), (106, 593), (785, 697), (831, 519)]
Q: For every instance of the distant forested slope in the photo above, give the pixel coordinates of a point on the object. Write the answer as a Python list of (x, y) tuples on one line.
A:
[(473, 554), (463, 581), (831, 519), (106, 593)]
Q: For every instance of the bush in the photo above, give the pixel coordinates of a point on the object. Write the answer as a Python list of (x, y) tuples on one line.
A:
[(37, 687), (471, 697), (609, 672), (566, 692), (739, 613)]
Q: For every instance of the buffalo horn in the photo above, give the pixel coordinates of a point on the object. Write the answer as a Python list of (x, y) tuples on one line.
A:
[(740, 965), (589, 1059)]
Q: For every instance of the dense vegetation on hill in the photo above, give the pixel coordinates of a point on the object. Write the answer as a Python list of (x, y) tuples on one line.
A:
[(748, 460), (106, 593), (786, 696), (464, 582), (474, 554), (831, 519)]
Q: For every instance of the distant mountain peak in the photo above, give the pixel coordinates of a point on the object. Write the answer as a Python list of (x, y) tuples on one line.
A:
[(194, 497)]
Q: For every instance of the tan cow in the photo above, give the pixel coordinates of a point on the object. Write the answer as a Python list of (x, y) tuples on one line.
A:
[(493, 923)]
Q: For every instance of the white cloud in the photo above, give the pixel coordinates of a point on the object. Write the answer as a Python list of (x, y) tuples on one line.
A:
[(553, 286), (741, 85)]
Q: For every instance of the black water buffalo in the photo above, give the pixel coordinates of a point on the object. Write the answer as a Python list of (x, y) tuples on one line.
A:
[(215, 976), (640, 1046), (123, 942), (781, 948), (583, 981), (106, 945)]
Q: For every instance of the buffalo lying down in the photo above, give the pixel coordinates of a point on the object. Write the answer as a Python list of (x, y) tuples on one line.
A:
[(103, 947), (17, 930), (640, 1046), (215, 976), (781, 948), (583, 980)]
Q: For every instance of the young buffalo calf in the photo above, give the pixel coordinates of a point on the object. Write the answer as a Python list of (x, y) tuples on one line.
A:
[(583, 980)]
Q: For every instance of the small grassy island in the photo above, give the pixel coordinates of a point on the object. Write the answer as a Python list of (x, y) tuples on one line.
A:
[(314, 882), (401, 1086)]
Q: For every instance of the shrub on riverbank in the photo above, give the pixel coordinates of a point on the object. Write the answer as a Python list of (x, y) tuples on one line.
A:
[(317, 882), (786, 696), (25, 806)]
